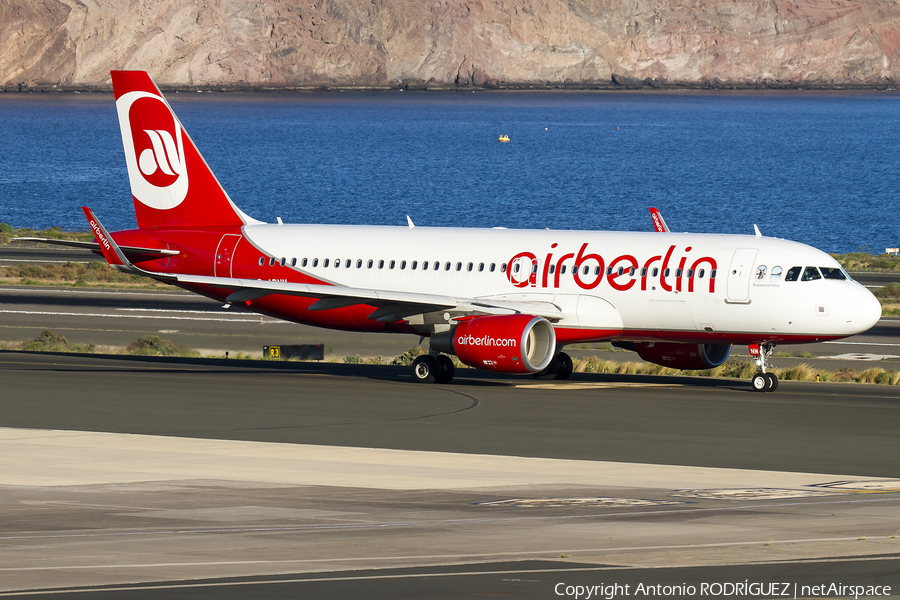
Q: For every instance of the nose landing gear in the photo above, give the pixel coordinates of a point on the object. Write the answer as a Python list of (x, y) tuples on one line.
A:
[(762, 381)]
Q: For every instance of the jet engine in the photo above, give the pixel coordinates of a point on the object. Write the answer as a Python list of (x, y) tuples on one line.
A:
[(503, 343), (684, 356)]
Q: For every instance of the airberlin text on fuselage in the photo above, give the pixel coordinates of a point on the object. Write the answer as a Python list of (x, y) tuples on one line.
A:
[(621, 273)]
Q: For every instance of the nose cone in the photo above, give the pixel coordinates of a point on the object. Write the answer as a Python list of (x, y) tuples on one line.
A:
[(865, 312)]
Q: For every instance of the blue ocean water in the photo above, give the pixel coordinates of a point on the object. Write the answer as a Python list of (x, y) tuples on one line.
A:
[(820, 168)]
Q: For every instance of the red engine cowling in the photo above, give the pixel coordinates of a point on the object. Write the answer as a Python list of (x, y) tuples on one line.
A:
[(684, 356), (504, 344)]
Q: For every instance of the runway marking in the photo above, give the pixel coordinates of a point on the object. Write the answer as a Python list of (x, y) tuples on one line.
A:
[(248, 319), (555, 553), (107, 291), (863, 344), (577, 502), (860, 356), (570, 385)]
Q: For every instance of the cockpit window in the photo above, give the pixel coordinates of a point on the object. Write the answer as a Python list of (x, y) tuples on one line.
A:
[(832, 273), (810, 274), (793, 274)]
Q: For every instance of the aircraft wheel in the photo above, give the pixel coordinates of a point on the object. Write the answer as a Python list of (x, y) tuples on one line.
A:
[(760, 382), (550, 371), (425, 369), (566, 366), (446, 369), (772, 381)]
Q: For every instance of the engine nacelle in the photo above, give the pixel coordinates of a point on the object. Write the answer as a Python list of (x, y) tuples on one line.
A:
[(692, 357), (504, 344)]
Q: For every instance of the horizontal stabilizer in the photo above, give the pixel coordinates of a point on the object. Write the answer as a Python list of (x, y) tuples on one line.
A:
[(94, 246)]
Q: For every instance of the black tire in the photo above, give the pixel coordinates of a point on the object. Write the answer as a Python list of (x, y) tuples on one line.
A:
[(446, 369), (425, 369), (760, 382), (566, 366), (773, 382), (550, 372)]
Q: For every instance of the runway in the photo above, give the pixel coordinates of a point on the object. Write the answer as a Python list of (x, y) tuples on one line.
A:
[(128, 477), (243, 478)]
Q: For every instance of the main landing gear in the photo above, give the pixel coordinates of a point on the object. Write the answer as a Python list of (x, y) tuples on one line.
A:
[(762, 381), (560, 367), (429, 368)]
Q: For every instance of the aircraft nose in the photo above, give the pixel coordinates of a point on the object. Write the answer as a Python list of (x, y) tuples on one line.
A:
[(866, 311)]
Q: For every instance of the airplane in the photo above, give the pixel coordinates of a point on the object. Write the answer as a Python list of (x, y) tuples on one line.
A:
[(502, 300)]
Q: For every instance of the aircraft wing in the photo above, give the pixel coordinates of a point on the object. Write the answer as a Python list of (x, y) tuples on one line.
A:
[(389, 305)]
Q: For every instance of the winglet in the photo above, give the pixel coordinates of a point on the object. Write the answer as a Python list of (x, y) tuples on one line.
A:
[(659, 224), (111, 251), (756, 231), (409, 222)]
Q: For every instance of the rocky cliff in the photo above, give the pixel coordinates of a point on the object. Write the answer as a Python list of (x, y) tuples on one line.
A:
[(450, 43)]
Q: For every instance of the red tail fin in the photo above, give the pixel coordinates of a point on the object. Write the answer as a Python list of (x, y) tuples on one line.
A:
[(171, 183)]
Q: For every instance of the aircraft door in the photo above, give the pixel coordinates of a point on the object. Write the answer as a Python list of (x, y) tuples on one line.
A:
[(738, 288), (225, 254)]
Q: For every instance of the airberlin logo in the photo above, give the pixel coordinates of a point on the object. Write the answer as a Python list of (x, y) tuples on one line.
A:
[(486, 340), (161, 157), (677, 270), (154, 150), (99, 233)]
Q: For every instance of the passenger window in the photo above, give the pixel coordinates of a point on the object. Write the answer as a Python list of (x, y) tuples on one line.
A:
[(272, 262), (459, 266), (402, 264), (370, 263), (620, 271), (469, 267), (630, 271), (666, 273), (380, 264), (393, 262), (348, 263), (315, 262), (503, 268), (293, 262), (447, 266), (552, 269), (424, 265), (493, 266), (480, 267), (516, 268), (644, 272), (325, 263), (359, 263), (677, 273), (701, 273), (793, 274), (761, 272), (712, 274), (690, 273), (303, 263), (776, 273), (810, 274), (563, 270), (596, 270), (261, 261), (283, 261), (832, 273), (655, 271), (437, 266), (585, 270)]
